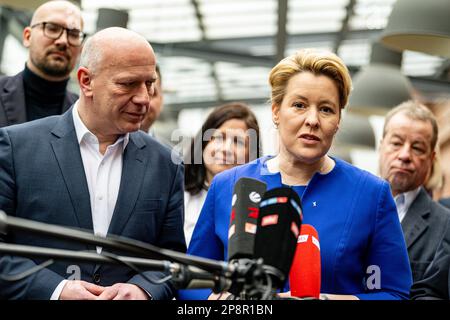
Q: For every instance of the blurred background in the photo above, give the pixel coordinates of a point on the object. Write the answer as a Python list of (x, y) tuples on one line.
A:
[(216, 51)]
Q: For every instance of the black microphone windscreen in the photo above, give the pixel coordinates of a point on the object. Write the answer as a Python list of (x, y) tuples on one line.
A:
[(247, 194), (279, 222)]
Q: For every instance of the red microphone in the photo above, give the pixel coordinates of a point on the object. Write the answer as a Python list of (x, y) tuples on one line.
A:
[(304, 277)]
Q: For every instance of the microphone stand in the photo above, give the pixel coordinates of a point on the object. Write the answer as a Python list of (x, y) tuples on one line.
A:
[(253, 280), (183, 277), (187, 271), (131, 246)]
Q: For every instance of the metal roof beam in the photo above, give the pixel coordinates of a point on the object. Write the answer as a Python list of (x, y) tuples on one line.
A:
[(210, 54), (202, 27), (291, 38), (341, 35), (281, 33)]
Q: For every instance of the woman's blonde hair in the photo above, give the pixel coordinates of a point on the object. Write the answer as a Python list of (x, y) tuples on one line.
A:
[(314, 61)]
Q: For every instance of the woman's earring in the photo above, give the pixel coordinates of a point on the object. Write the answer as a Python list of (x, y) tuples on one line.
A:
[(275, 124)]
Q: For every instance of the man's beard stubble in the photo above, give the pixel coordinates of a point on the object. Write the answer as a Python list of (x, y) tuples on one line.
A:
[(49, 67)]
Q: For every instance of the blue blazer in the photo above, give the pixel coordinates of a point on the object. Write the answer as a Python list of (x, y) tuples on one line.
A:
[(42, 178), (356, 219), (12, 100)]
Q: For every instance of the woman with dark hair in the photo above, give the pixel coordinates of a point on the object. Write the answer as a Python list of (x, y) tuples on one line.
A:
[(229, 137)]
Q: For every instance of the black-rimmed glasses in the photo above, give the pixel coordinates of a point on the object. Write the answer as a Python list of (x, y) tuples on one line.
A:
[(53, 31)]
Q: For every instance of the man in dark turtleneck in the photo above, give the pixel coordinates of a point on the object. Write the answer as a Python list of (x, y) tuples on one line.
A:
[(54, 39)]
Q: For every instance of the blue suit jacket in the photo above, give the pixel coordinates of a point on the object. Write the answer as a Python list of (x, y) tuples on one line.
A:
[(356, 219), (42, 178), (12, 100)]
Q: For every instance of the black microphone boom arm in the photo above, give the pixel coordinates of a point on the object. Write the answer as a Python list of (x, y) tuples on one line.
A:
[(130, 246), (183, 277)]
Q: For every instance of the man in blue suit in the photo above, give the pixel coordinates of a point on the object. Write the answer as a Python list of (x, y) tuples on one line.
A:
[(92, 168)]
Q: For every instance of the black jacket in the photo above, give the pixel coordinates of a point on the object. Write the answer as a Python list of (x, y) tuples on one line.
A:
[(436, 281), (424, 227), (12, 100)]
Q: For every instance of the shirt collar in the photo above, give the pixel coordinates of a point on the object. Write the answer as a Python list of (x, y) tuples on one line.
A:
[(83, 132), (409, 197)]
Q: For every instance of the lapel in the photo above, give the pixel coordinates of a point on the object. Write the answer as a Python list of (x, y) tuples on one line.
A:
[(13, 99), (415, 221), (67, 152), (134, 163), (68, 102)]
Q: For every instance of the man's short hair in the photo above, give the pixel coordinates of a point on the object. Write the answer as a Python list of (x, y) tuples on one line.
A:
[(91, 55)]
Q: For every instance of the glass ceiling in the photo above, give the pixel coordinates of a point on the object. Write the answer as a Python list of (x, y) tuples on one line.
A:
[(219, 50), (249, 27), (214, 51)]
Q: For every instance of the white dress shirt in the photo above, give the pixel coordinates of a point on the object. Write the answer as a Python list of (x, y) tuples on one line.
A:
[(103, 174), (192, 207), (404, 200)]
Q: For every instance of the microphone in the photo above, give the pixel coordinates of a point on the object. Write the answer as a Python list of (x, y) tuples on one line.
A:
[(304, 278), (279, 222), (247, 194)]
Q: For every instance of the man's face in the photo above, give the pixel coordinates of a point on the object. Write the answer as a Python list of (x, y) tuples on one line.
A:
[(406, 156), (156, 104), (121, 92), (49, 57)]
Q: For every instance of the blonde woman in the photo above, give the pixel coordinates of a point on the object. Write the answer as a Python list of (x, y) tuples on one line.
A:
[(363, 253)]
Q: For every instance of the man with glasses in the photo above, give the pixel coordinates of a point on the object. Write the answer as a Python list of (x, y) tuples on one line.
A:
[(54, 39)]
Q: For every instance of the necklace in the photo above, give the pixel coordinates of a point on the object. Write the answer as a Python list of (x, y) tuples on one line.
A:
[(326, 167)]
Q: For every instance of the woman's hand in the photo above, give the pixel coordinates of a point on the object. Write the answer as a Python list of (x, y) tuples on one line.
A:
[(219, 296)]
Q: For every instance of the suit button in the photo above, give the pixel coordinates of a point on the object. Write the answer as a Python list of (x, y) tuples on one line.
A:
[(96, 278)]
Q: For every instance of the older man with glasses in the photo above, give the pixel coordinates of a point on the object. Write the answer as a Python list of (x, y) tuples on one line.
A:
[(54, 39)]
